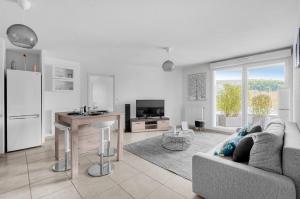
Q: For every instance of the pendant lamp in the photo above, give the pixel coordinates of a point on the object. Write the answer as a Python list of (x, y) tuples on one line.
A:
[(21, 35), (168, 66)]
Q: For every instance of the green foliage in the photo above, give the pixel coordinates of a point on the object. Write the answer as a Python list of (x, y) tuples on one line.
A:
[(265, 85), (261, 105), (229, 100)]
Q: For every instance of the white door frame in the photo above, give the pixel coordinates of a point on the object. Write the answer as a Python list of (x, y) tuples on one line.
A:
[(100, 75)]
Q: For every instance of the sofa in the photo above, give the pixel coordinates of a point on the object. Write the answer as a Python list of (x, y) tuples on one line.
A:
[(215, 177)]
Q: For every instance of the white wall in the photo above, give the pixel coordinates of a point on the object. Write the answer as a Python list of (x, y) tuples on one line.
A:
[(192, 109), (296, 81), (138, 82), (58, 101)]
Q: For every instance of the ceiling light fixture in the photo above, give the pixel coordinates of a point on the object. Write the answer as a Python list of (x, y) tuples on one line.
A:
[(21, 35), (168, 66)]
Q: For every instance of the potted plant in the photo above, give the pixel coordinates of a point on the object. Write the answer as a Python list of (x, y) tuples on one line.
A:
[(261, 105), (229, 103)]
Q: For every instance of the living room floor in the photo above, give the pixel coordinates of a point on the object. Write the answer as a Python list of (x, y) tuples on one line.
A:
[(27, 174)]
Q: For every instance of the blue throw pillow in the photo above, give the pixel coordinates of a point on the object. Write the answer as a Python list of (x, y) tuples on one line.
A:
[(229, 146), (229, 149)]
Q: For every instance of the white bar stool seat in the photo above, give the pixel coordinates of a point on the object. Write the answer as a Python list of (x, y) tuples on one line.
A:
[(64, 165), (102, 168)]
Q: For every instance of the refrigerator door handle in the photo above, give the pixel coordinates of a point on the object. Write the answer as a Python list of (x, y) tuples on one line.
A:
[(23, 117)]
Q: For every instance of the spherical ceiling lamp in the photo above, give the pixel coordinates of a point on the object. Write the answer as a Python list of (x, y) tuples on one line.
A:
[(168, 66), (22, 36)]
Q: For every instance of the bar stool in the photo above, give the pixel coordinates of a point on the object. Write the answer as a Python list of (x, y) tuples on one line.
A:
[(107, 151), (102, 168), (64, 165)]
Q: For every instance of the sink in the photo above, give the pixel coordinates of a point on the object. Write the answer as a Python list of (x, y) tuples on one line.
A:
[(101, 112), (97, 113), (74, 113)]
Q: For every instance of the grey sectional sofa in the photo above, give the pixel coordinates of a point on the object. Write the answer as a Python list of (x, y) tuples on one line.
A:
[(221, 178)]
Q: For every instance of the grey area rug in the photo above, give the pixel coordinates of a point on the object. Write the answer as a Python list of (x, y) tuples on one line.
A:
[(179, 162)]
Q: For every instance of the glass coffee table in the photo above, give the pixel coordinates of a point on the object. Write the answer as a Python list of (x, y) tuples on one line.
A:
[(179, 141)]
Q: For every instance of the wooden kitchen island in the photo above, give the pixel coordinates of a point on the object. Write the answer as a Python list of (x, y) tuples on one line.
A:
[(76, 122)]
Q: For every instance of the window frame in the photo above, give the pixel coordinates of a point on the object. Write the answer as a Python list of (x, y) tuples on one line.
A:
[(244, 68)]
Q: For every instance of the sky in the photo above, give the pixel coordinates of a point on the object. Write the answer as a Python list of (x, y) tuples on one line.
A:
[(274, 72)]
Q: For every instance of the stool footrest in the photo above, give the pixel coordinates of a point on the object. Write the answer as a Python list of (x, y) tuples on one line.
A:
[(98, 170), (61, 166), (108, 153)]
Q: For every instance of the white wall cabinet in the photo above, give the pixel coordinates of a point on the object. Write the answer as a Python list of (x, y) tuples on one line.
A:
[(59, 78)]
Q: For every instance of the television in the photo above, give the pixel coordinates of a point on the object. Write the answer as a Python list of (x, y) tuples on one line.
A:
[(150, 108)]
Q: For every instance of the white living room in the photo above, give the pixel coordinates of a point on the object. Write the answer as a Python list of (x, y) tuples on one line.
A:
[(149, 99)]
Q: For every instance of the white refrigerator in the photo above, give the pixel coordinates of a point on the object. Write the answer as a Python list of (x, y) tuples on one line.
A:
[(24, 104)]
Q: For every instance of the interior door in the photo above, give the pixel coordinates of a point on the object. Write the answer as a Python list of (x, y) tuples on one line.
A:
[(101, 92)]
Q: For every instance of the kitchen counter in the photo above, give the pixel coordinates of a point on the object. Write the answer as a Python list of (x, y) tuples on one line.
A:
[(75, 122)]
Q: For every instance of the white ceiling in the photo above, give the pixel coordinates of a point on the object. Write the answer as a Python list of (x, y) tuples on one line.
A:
[(131, 32)]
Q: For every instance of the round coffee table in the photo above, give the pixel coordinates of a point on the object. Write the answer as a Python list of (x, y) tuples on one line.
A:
[(178, 141)]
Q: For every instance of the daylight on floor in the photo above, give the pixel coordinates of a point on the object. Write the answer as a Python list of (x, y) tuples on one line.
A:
[(149, 99)]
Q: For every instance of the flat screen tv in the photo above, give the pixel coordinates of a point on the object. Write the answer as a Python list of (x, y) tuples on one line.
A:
[(150, 108)]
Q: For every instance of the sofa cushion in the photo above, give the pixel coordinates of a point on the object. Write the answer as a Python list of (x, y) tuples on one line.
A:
[(267, 149), (242, 150), (255, 129)]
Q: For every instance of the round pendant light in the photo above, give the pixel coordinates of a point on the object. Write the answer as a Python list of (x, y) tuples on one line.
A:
[(168, 66), (22, 36)]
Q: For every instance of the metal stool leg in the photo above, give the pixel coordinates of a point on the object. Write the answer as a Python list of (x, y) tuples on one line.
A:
[(103, 168), (108, 152), (64, 165)]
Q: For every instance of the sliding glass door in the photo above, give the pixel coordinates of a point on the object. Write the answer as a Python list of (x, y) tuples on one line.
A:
[(228, 97), (247, 94), (263, 84)]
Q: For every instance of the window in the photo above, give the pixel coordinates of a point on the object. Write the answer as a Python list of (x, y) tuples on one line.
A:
[(228, 97), (264, 83), (247, 94)]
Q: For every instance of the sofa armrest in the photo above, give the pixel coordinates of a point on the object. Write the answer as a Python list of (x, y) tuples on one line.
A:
[(291, 154), (215, 177)]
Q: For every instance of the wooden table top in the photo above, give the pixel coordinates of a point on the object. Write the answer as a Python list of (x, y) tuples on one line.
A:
[(85, 119)]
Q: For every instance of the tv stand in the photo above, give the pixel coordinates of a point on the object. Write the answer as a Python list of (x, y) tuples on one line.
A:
[(150, 124)]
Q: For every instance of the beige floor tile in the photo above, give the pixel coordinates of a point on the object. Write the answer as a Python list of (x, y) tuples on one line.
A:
[(40, 170), (113, 193), (13, 169), (89, 186), (49, 186), (159, 174), (140, 186), (21, 193), (49, 155), (42, 149), (164, 193), (13, 182), (66, 193), (140, 164), (12, 161), (13, 155), (181, 186), (122, 171)]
